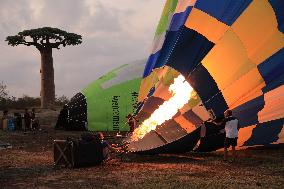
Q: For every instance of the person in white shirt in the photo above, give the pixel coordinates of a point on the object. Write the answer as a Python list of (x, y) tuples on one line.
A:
[(231, 129)]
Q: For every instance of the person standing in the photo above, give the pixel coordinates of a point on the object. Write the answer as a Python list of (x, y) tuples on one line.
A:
[(27, 119), (231, 130), (4, 120), (132, 122), (34, 121)]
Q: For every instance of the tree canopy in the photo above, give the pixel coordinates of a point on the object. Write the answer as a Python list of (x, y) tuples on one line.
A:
[(45, 37)]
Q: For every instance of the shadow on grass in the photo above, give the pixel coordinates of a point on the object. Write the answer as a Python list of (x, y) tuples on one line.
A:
[(23, 173), (161, 158), (268, 148)]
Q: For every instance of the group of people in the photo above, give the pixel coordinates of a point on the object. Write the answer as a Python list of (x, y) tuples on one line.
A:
[(31, 123), (108, 149), (26, 122), (231, 129)]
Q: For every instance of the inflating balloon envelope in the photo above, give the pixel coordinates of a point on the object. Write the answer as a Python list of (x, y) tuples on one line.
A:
[(104, 104), (209, 56)]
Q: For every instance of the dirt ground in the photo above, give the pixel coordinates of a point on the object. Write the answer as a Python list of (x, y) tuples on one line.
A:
[(29, 164)]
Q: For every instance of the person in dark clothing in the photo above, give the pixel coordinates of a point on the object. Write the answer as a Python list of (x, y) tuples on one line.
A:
[(18, 121), (132, 121), (62, 121), (27, 119), (33, 114), (107, 148), (5, 113), (34, 121)]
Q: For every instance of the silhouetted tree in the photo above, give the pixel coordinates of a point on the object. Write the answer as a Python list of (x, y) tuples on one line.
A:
[(45, 39), (3, 90), (61, 100)]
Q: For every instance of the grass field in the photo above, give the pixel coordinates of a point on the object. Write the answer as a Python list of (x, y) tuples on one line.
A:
[(29, 164)]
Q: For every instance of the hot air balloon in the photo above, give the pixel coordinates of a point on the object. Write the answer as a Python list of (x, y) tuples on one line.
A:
[(104, 104), (207, 57)]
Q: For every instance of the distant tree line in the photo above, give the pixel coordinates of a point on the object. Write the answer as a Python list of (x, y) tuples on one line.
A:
[(11, 102)]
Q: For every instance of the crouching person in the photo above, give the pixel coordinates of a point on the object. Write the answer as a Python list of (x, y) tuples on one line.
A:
[(107, 148), (231, 129), (91, 150)]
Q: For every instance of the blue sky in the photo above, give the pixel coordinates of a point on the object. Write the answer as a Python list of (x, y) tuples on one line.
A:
[(114, 32)]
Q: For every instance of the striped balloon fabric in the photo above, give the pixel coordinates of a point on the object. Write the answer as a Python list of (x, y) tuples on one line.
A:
[(231, 53)]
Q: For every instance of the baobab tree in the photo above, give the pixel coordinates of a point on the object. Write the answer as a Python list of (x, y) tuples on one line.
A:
[(45, 39)]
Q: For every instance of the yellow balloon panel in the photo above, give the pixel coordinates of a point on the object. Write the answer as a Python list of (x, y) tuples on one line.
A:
[(146, 84), (228, 60), (160, 72), (241, 87)]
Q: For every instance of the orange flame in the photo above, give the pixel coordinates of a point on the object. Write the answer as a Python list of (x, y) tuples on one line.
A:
[(181, 92)]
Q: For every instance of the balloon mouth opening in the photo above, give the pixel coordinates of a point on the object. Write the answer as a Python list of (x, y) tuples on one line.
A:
[(181, 92)]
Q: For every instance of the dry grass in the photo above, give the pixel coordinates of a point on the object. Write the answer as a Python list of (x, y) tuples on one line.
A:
[(29, 164)]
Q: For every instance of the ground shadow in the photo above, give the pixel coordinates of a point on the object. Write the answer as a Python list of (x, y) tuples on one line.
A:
[(160, 158), (19, 173)]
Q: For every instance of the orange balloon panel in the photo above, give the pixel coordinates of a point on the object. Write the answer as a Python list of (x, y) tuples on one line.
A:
[(245, 134), (206, 25), (257, 29), (185, 124), (274, 106), (228, 60), (241, 87)]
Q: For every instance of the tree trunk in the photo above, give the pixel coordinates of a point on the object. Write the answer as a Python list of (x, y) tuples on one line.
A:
[(47, 92)]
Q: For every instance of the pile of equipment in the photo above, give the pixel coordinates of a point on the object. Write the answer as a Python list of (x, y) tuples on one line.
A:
[(86, 151)]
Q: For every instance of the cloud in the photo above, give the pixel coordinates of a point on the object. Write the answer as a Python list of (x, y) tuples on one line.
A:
[(114, 33)]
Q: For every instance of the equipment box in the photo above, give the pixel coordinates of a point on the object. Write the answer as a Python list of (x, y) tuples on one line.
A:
[(77, 153), (63, 153)]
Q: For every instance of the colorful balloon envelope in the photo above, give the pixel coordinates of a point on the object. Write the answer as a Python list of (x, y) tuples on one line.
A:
[(231, 53), (207, 56)]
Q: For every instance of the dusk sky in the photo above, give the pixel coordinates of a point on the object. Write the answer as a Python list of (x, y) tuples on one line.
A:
[(114, 32)]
